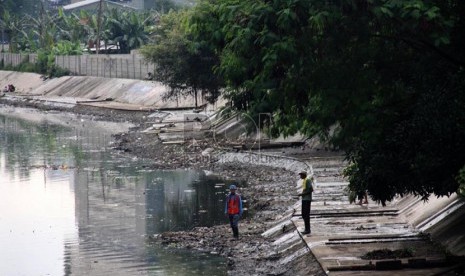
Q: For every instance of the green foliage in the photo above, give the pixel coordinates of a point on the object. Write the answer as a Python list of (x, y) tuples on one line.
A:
[(164, 6), (71, 26), (42, 63), (46, 65), (12, 26), (382, 80), (127, 29), (65, 47), (17, 7), (183, 65), (26, 67), (461, 181)]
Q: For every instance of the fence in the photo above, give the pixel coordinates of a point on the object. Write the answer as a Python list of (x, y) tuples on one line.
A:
[(110, 66), (17, 59)]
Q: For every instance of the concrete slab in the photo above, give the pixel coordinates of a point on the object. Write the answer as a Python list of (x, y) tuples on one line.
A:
[(126, 94), (450, 231), (342, 233), (403, 272), (24, 82)]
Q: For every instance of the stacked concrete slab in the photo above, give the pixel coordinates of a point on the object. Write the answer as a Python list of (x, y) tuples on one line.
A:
[(342, 233)]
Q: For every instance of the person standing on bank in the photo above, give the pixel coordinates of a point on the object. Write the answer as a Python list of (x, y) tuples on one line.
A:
[(233, 209), (307, 190)]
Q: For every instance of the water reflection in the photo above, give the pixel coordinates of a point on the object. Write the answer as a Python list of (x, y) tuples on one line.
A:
[(69, 205)]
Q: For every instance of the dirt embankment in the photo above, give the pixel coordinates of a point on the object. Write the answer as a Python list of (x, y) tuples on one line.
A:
[(269, 197)]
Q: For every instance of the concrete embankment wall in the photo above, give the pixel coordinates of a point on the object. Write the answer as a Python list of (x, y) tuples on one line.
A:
[(442, 218), (24, 82), (450, 231), (138, 93)]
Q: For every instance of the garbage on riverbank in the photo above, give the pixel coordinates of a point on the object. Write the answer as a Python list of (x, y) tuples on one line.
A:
[(269, 196)]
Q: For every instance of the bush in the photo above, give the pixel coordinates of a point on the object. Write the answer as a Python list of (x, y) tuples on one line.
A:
[(45, 65), (461, 181), (26, 67)]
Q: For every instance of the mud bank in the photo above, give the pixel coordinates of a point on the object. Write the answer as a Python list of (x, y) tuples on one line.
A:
[(269, 196)]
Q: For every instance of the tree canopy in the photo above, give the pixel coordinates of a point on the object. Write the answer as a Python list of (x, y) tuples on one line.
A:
[(26, 33), (18, 7), (186, 66), (382, 80)]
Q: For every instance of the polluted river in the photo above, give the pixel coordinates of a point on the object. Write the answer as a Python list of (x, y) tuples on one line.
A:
[(70, 205), (86, 192)]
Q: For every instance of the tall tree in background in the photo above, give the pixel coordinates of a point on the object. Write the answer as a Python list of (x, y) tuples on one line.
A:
[(17, 7), (183, 65), (12, 26), (129, 30), (71, 27), (23, 7), (382, 80), (43, 27)]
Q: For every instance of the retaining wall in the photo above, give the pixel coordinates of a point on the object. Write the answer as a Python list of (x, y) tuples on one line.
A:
[(130, 66), (442, 218), (137, 93)]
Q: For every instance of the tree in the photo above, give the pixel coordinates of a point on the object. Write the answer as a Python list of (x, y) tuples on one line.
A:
[(128, 29), (164, 6), (185, 66), (12, 26), (43, 27), (71, 27), (17, 7), (380, 79)]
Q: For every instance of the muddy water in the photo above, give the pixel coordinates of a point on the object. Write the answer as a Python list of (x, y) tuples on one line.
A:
[(69, 205)]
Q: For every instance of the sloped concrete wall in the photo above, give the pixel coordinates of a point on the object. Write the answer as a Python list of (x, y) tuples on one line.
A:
[(421, 211), (24, 82), (450, 232), (442, 218), (126, 91)]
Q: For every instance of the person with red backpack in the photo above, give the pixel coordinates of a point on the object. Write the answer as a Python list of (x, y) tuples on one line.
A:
[(233, 209)]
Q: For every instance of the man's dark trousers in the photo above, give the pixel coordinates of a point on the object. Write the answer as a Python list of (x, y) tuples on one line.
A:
[(306, 205), (234, 221)]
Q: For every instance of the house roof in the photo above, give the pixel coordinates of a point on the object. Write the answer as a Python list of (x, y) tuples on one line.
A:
[(85, 3)]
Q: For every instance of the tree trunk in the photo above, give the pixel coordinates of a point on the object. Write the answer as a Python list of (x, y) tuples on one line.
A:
[(195, 96)]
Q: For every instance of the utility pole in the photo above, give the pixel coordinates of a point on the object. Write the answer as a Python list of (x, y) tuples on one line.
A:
[(99, 25)]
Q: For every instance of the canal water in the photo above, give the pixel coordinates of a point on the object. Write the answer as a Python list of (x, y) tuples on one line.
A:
[(70, 205)]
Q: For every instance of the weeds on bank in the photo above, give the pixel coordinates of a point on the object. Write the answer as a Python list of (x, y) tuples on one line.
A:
[(44, 65), (388, 254)]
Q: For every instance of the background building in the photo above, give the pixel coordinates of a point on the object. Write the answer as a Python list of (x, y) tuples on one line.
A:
[(93, 5), (136, 4)]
